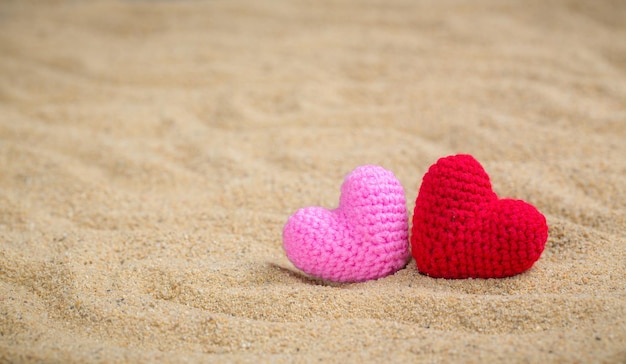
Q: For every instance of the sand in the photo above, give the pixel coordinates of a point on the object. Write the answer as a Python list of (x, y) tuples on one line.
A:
[(151, 152)]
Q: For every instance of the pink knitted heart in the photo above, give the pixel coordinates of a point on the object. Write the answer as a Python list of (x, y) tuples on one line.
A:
[(365, 238)]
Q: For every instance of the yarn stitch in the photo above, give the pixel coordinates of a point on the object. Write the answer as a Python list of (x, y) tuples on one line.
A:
[(462, 230), (365, 238)]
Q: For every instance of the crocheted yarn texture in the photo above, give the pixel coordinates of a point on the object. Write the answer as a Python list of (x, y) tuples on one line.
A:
[(365, 238), (462, 230)]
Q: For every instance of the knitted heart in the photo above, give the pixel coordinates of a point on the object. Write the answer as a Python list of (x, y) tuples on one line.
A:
[(365, 238), (462, 230)]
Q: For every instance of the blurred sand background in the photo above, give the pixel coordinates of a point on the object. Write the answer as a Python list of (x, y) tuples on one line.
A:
[(151, 151)]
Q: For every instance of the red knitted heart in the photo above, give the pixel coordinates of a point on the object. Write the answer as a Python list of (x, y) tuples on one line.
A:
[(462, 230)]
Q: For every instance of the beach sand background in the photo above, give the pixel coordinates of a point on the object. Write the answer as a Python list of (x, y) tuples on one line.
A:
[(151, 151)]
